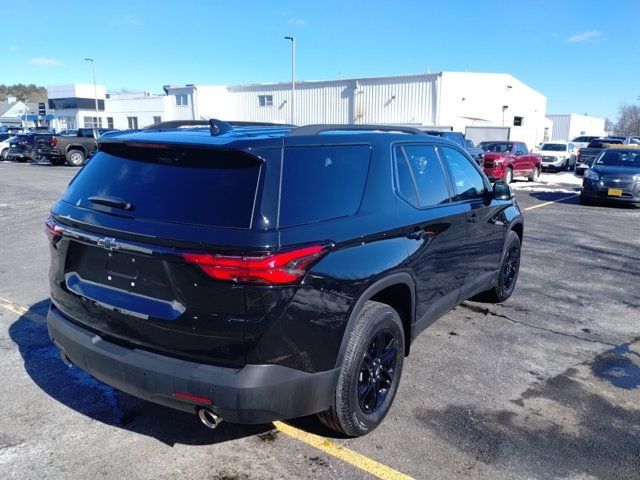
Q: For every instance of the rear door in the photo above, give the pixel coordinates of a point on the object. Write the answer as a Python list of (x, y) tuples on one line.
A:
[(435, 232), (521, 162), (130, 218), (485, 226)]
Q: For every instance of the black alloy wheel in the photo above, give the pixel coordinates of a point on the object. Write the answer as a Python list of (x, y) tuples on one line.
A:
[(377, 371)]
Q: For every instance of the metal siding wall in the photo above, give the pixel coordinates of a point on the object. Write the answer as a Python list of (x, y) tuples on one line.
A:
[(561, 125), (394, 101), (341, 102)]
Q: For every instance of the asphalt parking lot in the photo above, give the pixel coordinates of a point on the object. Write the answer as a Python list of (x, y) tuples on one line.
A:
[(546, 385)]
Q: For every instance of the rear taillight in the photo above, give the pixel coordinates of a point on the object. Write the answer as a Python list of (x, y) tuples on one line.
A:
[(53, 142), (51, 229), (274, 269)]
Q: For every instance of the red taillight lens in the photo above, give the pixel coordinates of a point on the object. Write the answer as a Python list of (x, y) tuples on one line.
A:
[(51, 229), (53, 141), (274, 269)]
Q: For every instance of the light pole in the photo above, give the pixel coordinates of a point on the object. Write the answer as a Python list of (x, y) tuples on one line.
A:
[(95, 90), (293, 77)]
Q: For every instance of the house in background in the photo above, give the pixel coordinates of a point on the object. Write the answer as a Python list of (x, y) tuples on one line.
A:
[(15, 113)]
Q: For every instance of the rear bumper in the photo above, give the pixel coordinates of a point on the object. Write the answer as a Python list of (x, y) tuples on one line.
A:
[(252, 394), (591, 190)]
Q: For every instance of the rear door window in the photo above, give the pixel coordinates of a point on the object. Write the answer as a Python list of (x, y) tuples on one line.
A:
[(420, 178), (183, 185), (322, 183), (467, 180)]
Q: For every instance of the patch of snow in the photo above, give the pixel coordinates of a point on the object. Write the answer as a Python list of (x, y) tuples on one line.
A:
[(562, 182)]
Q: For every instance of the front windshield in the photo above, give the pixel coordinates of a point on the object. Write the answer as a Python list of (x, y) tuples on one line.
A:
[(554, 147), (501, 147), (619, 158)]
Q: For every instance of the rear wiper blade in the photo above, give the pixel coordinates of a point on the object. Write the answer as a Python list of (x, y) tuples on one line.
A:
[(114, 202)]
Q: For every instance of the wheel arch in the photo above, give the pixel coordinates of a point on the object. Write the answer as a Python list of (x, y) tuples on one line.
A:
[(517, 227), (396, 290), (75, 146)]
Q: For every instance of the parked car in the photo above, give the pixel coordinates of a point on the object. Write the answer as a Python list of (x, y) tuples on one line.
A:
[(475, 152), (4, 145), (613, 176), (626, 139), (71, 149), (459, 138), (506, 160), (583, 141), (586, 156), (262, 273), (557, 155), (22, 147)]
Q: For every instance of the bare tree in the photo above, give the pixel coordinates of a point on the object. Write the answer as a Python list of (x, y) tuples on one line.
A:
[(628, 120), (609, 126)]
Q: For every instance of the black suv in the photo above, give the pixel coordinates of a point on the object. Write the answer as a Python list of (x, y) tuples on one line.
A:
[(255, 273)]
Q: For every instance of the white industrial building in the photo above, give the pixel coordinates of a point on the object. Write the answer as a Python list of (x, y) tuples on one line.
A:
[(569, 126), (482, 105), (75, 107), (466, 102)]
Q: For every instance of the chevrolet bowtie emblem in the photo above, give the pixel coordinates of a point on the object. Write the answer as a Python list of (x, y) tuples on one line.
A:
[(108, 243)]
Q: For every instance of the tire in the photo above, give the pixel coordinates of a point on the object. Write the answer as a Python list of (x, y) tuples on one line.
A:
[(364, 393), (584, 200), (534, 176), (3, 154), (503, 289), (75, 158), (508, 176)]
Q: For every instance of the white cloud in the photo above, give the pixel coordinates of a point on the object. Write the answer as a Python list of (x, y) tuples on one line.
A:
[(131, 20), (584, 36), (13, 48), (296, 21), (45, 62)]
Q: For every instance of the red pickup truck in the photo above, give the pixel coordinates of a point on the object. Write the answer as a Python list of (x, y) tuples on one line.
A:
[(505, 160)]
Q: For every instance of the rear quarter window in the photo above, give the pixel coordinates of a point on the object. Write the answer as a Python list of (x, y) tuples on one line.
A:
[(322, 183)]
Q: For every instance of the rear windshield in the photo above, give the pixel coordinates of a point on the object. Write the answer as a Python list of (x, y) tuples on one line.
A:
[(602, 143), (321, 183), (619, 158), (501, 147), (194, 186)]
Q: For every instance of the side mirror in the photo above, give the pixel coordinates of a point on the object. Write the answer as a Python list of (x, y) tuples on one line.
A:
[(519, 153), (502, 191)]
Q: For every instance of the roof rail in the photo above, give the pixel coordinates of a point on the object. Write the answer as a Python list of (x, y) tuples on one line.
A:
[(260, 124), (216, 126), (317, 129)]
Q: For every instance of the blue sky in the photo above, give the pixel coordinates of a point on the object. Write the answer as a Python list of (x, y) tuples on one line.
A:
[(583, 55)]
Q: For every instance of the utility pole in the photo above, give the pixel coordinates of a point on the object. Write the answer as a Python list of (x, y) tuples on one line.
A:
[(95, 92), (293, 77)]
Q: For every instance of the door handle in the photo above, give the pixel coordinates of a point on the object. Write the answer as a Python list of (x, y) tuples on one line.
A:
[(472, 218), (421, 234)]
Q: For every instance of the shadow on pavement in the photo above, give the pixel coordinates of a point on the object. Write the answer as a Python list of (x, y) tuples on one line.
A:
[(88, 396), (559, 426)]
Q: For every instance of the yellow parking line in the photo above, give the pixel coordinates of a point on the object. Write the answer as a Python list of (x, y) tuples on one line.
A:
[(550, 203), (360, 461), (20, 310)]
